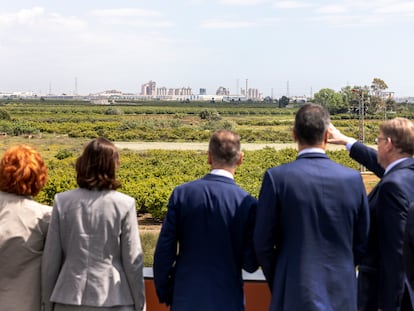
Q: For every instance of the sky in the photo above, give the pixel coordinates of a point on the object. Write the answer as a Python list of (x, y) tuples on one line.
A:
[(282, 47)]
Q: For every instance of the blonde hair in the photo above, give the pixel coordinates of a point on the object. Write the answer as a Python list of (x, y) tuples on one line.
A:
[(401, 132)]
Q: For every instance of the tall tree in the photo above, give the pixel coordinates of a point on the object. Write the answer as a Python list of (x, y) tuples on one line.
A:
[(331, 100), (283, 101), (377, 86), (360, 99)]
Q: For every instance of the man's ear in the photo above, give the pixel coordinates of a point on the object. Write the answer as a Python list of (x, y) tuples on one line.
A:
[(326, 137), (389, 145), (240, 159), (294, 135), (209, 158)]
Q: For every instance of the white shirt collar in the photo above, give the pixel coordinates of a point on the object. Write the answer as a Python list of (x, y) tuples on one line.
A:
[(221, 172), (393, 164), (311, 150)]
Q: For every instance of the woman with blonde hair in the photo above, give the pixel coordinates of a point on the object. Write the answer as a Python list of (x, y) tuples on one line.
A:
[(23, 228), (93, 257)]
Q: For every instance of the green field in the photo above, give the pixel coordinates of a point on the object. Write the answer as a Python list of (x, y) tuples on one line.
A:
[(60, 130), (157, 121)]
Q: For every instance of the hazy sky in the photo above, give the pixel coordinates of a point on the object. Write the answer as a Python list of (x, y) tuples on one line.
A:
[(276, 45)]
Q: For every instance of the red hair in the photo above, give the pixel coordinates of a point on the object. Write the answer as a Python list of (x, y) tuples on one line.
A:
[(22, 171)]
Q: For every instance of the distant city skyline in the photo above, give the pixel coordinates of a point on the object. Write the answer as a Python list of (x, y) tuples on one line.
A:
[(179, 92), (283, 47)]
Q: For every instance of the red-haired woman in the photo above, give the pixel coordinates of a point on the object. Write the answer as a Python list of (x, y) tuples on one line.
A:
[(23, 228), (93, 257)]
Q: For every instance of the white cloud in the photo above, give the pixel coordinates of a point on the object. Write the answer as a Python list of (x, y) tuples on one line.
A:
[(331, 9), (242, 2), (37, 27), (132, 17), (354, 13), (389, 7), (51, 37), (290, 5), (140, 23), (39, 17), (221, 24), (126, 12), (340, 20), (396, 7), (125, 46), (22, 17)]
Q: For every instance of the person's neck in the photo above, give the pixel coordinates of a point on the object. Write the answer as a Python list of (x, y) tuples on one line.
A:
[(394, 157), (305, 146), (228, 169)]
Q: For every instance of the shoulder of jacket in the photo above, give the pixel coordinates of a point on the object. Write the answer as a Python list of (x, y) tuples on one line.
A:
[(44, 209), (121, 195)]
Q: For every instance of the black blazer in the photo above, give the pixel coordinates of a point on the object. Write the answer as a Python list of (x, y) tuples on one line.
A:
[(311, 230), (205, 241), (381, 272), (409, 252)]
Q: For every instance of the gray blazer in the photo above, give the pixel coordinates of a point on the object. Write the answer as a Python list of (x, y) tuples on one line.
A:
[(93, 252), (23, 229)]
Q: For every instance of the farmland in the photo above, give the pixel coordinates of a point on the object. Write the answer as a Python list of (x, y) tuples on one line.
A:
[(161, 145), (59, 130)]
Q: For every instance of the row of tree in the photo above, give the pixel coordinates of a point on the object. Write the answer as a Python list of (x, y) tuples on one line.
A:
[(371, 99)]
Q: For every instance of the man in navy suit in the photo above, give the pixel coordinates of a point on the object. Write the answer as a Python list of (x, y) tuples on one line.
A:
[(311, 224), (207, 236), (381, 274), (408, 255)]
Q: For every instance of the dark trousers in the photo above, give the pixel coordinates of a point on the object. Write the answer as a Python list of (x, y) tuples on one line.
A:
[(368, 294), (367, 291), (406, 304)]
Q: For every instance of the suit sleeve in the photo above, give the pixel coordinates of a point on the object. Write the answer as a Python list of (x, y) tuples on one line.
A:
[(265, 230), (391, 217), (249, 257), (51, 260), (362, 225), (368, 157), (409, 247), (132, 259), (165, 254)]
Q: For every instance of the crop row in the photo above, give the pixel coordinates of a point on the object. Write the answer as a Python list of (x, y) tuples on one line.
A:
[(161, 123), (150, 176)]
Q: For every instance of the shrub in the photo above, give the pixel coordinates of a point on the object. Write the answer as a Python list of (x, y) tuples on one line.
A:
[(148, 242), (113, 111), (63, 154), (209, 115), (4, 115)]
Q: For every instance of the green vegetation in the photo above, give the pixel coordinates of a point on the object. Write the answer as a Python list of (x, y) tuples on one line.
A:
[(373, 101), (60, 130), (150, 176), (160, 121), (148, 242)]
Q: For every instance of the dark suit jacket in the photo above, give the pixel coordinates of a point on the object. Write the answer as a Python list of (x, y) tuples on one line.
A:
[(205, 241), (409, 252), (381, 273), (311, 230)]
